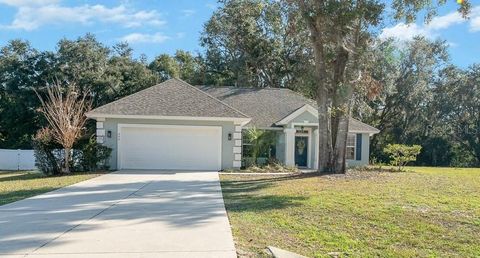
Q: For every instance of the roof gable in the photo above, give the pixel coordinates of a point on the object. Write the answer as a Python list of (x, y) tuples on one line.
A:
[(265, 106), (297, 113), (174, 98)]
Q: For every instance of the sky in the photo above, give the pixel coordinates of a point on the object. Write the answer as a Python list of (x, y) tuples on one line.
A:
[(154, 27)]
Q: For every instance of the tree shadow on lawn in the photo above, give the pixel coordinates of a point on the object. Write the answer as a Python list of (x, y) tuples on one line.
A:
[(244, 194), (32, 175), (20, 176), (18, 195)]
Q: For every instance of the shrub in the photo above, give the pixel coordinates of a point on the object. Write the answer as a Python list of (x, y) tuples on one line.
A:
[(260, 146), (49, 156), (401, 154), (94, 156), (44, 150)]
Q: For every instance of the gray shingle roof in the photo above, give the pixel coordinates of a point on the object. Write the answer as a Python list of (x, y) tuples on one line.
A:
[(356, 126), (174, 97), (170, 98), (266, 106)]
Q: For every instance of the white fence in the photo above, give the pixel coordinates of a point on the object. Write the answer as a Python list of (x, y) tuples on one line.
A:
[(17, 160)]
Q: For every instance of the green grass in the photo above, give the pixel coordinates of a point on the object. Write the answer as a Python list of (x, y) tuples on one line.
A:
[(427, 212), (17, 185)]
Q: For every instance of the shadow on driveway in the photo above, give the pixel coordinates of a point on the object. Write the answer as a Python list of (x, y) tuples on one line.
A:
[(123, 212)]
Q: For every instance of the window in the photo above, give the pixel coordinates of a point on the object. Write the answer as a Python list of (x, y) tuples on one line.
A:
[(351, 142)]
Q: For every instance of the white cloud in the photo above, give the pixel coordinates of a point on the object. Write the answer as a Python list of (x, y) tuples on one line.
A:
[(188, 12), (475, 19), (211, 6), (145, 38), (404, 32), (18, 3), (36, 13), (443, 22)]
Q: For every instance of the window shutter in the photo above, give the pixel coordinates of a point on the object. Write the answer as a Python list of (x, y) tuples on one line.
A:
[(358, 147)]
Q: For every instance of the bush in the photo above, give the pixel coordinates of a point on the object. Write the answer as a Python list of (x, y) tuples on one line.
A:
[(46, 158), (49, 156), (94, 156), (401, 154)]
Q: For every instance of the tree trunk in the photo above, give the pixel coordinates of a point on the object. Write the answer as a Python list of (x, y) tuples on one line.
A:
[(324, 142), (66, 168), (341, 144)]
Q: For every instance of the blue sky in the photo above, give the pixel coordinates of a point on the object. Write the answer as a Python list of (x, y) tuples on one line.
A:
[(161, 26)]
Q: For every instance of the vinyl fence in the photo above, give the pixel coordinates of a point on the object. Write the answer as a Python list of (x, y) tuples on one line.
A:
[(17, 159)]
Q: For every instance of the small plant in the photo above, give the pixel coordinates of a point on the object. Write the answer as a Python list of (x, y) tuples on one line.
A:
[(94, 156), (401, 154), (260, 141), (44, 150)]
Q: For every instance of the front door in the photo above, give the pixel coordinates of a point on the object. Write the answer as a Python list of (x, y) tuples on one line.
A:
[(301, 151)]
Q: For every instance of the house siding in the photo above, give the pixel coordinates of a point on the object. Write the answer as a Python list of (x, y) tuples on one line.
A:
[(111, 124), (365, 152), (304, 117), (280, 150)]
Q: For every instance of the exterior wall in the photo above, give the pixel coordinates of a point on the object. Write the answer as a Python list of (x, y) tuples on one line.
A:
[(365, 153), (305, 117), (111, 124), (309, 118)]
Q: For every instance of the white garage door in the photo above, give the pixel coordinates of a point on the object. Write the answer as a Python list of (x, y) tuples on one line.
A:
[(169, 147)]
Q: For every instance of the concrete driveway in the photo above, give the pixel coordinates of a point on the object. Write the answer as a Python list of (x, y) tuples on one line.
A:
[(122, 214)]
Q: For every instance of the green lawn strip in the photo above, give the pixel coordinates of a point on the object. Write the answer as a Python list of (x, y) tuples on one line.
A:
[(420, 213), (15, 186)]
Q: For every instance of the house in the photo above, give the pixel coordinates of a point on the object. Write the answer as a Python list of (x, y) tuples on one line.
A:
[(174, 125)]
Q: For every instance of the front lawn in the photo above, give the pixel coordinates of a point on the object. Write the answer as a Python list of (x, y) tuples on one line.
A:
[(17, 185), (426, 213)]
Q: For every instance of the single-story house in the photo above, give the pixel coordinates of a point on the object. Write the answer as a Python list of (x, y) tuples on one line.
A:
[(174, 125)]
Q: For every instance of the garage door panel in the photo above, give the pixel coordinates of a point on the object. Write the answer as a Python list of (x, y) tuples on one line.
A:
[(170, 147)]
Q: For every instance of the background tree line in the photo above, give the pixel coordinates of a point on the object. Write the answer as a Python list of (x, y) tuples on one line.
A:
[(421, 98)]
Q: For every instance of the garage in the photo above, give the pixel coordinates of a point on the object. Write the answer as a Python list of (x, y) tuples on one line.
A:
[(169, 147)]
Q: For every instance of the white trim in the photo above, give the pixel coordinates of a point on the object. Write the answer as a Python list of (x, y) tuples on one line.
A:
[(241, 121), (237, 136), (354, 146), (305, 124), (120, 126), (99, 125), (238, 128), (264, 128), (314, 112), (296, 113), (289, 134), (100, 132), (238, 143), (317, 148), (98, 119), (237, 163), (237, 150), (309, 148)]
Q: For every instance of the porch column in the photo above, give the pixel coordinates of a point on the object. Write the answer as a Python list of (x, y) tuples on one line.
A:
[(289, 146), (315, 150), (100, 133), (237, 147)]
